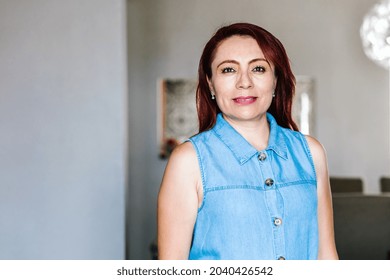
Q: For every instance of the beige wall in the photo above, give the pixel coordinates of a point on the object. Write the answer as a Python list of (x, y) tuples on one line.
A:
[(322, 39)]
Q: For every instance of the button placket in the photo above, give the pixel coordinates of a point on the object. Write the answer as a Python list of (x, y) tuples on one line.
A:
[(275, 209), (262, 157)]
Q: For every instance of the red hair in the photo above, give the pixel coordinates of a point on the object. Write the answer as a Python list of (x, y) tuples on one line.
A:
[(273, 51)]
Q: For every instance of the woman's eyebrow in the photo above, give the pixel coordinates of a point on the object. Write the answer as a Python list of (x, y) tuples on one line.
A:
[(236, 62), (258, 59), (228, 61)]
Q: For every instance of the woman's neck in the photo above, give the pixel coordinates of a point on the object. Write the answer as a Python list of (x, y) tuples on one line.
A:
[(256, 132)]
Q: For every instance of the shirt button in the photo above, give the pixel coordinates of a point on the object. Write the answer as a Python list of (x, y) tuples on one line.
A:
[(269, 182), (277, 222), (281, 258), (262, 156)]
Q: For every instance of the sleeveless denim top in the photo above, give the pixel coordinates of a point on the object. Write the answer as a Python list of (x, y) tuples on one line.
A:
[(257, 204)]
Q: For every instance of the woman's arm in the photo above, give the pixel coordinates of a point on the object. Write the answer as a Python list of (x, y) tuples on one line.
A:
[(178, 202), (327, 246)]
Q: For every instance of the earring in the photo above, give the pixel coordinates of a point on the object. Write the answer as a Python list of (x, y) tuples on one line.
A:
[(273, 94), (213, 97)]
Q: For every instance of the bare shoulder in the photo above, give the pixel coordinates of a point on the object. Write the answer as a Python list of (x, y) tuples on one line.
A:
[(318, 153), (314, 144), (316, 148), (184, 156), (182, 168), (185, 149), (181, 178)]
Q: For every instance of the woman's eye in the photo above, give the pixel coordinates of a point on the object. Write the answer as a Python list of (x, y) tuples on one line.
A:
[(259, 69), (228, 70)]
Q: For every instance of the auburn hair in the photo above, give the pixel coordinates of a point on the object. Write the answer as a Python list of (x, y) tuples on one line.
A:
[(273, 51)]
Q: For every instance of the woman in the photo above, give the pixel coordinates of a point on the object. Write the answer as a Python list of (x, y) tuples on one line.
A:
[(249, 185)]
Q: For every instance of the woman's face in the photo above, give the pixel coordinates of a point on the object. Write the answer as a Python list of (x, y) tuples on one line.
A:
[(243, 81)]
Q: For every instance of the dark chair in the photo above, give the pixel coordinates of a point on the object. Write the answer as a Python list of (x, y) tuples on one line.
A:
[(346, 185), (362, 226), (385, 184)]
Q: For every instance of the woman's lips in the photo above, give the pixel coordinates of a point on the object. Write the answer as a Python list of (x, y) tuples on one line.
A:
[(245, 100)]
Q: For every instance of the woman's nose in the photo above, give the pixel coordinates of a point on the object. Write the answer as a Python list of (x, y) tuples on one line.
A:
[(244, 81)]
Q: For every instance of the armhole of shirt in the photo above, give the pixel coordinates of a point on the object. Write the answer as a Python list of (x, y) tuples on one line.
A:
[(308, 152), (201, 172)]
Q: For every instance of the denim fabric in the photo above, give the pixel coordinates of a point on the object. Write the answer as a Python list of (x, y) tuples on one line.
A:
[(245, 214)]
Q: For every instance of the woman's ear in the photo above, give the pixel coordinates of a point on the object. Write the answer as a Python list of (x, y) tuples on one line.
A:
[(211, 87), (275, 83)]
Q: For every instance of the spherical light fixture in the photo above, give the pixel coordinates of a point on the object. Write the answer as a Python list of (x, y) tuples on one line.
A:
[(375, 34)]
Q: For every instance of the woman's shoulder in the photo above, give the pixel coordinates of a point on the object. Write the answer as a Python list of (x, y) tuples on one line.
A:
[(185, 148), (318, 153), (315, 146), (182, 172), (183, 157)]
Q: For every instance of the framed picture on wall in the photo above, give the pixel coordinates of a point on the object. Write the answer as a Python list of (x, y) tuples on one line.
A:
[(178, 114)]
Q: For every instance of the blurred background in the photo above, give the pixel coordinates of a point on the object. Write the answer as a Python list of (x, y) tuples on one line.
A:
[(79, 111)]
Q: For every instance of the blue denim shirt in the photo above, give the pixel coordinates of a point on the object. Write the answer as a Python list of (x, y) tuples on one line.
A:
[(257, 204)]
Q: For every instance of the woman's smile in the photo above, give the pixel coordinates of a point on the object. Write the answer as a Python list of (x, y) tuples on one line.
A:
[(245, 100)]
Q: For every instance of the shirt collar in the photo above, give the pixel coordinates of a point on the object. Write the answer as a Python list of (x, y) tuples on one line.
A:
[(241, 149)]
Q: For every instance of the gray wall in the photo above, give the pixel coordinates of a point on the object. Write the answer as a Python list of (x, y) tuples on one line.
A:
[(63, 125), (322, 38)]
